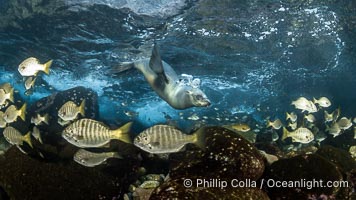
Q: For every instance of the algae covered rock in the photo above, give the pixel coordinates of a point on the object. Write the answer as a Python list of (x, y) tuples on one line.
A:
[(23, 177), (227, 157), (341, 158), (174, 189), (310, 171)]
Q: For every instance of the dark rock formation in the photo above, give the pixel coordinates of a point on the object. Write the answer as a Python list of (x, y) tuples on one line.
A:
[(227, 156), (174, 189), (303, 168), (23, 177)]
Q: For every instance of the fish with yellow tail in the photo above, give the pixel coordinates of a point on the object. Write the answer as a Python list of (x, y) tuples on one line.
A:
[(241, 127), (302, 135), (88, 133), (305, 105), (14, 137), (92, 159), (69, 111), (161, 139), (291, 116), (31, 66), (6, 96), (328, 117), (39, 119), (11, 114), (276, 124), (322, 102), (2, 120)]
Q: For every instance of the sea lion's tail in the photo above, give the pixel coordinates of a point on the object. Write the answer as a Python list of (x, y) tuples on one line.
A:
[(122, 67)]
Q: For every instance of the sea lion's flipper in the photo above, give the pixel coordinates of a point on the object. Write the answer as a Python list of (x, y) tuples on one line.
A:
[(156, 64), (122, 67)]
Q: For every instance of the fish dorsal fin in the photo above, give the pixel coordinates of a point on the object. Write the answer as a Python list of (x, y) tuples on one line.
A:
[(156, 64)]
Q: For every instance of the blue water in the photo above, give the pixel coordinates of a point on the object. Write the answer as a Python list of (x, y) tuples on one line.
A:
[(253, 58)]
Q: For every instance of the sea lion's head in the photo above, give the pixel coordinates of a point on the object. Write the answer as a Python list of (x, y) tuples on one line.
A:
[(198, 97)]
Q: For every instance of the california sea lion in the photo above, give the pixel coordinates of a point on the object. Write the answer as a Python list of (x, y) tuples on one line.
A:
[(164, 80)]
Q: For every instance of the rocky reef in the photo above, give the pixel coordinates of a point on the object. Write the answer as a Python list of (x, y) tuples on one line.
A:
[(23, 177), (227, 156)]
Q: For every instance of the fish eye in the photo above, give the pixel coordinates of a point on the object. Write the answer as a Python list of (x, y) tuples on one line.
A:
[(145, 138)]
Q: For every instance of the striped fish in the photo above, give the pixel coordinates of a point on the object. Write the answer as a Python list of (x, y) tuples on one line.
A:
[(14, 137), (12, 113), (167, 139), (86, 133), (70, 110), (2, 120), (91, 159)]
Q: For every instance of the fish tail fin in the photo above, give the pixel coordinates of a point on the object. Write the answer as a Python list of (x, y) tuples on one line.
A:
[(11, 95), (269, 123), (47, 65), (46, 119), (23, 112), (82, 108), (27, 139), (288, 116), (117, 155), (123, 133), (122, 67), (200, 138), (314, 100), (285, 133)]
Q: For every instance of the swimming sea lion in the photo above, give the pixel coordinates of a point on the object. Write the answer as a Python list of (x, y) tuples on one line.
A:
[(164, 80)]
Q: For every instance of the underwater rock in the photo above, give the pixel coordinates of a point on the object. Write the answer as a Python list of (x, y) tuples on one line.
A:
[(23, 177), (54, 147), (54, 102), (303, 168), (227, 155), (341, 158), (174, 189)]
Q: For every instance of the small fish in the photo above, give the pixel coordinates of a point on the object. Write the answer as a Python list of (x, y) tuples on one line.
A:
[(87, 133), (167, 139), (30, 82), (291, 116), (323, 102), (91, 159), (7, 87), (70, 110), (31, 66), (352, 151), (320, 136), (344, 123), (334, 129), (354, 120), (269, 157), (305, 105), (6, 96), (302, 135), (276, 124), (130, 113), (194, 117), (293, 126), (275, 136), (38, 119), (241, 127), (310, 118), (36, 133), (354, 132), (12, 113), (14, 137), (62, 122), (2, 120), (336, 114), (328, 117)]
